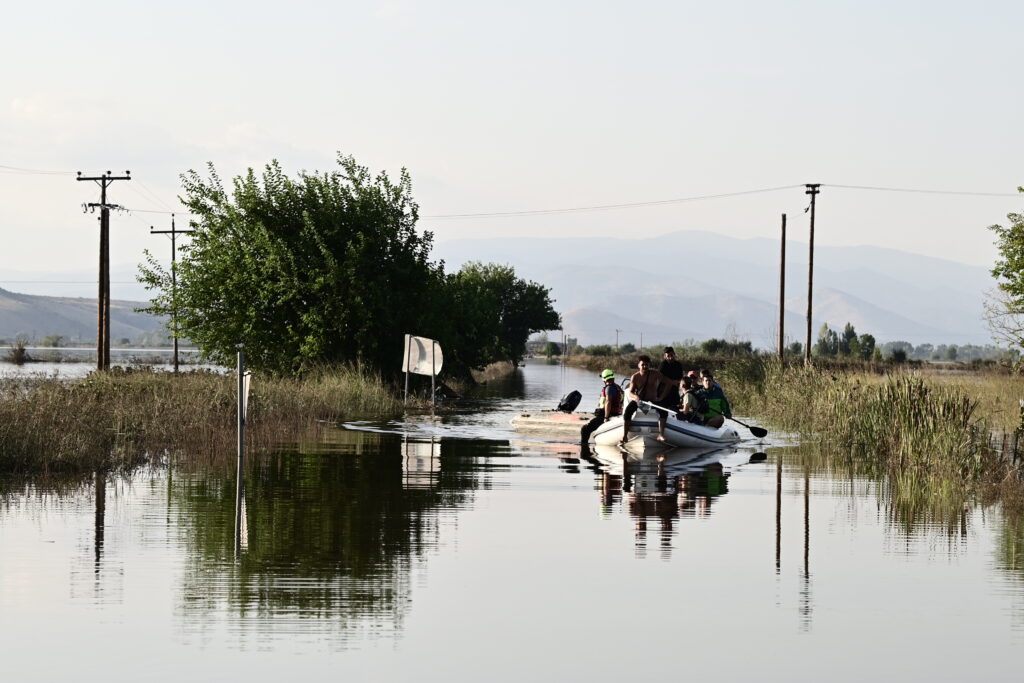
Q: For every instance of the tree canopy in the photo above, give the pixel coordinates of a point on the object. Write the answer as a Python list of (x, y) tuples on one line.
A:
[(1004, 310), (329, 268)]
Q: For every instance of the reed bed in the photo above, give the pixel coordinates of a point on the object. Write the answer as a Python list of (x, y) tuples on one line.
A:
[(121, 419)]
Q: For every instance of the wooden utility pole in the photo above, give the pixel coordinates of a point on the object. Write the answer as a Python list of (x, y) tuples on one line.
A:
[(782, 293), (103, 292), (812, 189), (173, 232)]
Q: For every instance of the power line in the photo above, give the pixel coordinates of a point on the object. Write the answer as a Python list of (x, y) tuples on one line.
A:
[(604, 207), (918, 191), (31, 171)]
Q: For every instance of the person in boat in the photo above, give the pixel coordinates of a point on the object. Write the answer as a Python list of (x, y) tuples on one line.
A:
[(691, 406), (608, 406), (672, 369), (717, 404), (649, 385)]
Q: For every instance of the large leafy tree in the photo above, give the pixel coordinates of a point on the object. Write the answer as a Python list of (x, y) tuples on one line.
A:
[(496, 312), (1004, 309), (325, 267)]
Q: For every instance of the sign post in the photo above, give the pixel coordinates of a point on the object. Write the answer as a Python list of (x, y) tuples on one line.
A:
[(423, 357)]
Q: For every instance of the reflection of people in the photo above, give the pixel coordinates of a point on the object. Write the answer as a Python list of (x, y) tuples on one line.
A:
[(608, 406), (698, 490), (646, 385)]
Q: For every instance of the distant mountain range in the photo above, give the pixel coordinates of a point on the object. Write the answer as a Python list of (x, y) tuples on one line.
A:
[(685, 285), (698, 285), (73, 318)]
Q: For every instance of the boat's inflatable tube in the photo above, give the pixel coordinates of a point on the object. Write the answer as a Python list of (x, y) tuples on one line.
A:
[(643, 433)]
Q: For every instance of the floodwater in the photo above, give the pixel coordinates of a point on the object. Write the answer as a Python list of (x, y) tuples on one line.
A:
[(76, 362), (455, 549)]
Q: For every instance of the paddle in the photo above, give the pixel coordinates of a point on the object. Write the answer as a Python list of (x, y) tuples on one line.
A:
[(759, 432)]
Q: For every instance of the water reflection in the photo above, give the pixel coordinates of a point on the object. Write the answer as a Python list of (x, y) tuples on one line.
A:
[(662, 486), (333, 533)]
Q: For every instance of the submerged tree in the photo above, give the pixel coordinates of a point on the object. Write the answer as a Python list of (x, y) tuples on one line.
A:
[(1004, 309)]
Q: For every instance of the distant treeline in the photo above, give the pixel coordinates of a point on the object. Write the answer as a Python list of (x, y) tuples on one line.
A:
[(847, 344)]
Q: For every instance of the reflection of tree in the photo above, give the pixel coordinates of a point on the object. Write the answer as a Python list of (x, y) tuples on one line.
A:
[(913, 501), (328, 534)]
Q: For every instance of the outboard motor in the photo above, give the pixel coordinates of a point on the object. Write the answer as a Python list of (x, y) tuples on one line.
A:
[(570, 401)]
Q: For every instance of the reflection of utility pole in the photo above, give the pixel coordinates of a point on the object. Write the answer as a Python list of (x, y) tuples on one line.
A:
[(805, 592), (778, 513), (103, 298), (812, 189), (101, 508), (174, 281)]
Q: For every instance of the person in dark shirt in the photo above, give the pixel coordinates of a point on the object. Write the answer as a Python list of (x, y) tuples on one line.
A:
[(673, 371)]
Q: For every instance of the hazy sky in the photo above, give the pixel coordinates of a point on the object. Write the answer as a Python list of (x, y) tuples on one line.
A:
[(520, 106)]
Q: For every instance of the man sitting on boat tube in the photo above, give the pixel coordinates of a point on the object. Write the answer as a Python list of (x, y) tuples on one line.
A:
[(608, 406), (647, 385), (691, 406)]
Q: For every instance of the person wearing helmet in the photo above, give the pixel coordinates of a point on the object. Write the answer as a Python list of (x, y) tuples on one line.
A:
[(608, 406)]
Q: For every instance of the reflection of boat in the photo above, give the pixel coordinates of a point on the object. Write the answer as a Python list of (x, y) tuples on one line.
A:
[(669, 461), (550, 421), (643, 433)]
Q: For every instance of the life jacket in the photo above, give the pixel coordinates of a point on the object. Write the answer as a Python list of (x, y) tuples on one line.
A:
[(611, 395), (699, 399), (717, 403)]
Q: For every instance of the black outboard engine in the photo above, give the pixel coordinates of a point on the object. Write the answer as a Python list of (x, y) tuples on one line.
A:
[(570, 401)]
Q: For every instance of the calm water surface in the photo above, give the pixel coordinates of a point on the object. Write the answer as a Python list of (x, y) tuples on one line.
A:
[(456, 549)]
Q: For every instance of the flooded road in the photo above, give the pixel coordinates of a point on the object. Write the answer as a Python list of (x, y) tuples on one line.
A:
[(457, 549)]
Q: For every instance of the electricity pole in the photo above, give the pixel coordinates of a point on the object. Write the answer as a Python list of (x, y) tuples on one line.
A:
[(173, 232), (782, 293), (103, 302), (812, 189)]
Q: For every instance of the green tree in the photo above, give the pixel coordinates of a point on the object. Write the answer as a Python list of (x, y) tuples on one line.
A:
[(828, 342), (1004, 309), (847, 341), (326, 267), (552, 349), (493, 312), (866, 344)]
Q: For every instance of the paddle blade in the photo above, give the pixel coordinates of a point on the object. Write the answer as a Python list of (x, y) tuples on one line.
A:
[(759, 432)]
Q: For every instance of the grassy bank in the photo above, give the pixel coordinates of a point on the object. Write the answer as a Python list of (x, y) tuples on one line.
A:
[(121, 419)]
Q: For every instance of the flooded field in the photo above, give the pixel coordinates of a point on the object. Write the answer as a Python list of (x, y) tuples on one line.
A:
[(456, 549)]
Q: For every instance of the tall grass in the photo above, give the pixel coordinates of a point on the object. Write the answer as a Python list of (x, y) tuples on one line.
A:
[(924, 437), (120, 419)]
